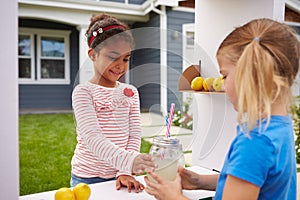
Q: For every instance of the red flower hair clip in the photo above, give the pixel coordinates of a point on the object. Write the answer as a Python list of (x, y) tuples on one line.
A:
[(128, 92)]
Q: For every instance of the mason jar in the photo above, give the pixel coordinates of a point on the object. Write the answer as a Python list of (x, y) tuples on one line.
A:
[(168, 155)]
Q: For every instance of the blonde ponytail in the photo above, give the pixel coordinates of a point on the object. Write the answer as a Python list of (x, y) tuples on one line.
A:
[(254, 83)]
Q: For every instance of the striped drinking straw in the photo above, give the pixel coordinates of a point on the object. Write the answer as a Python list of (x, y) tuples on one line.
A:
[(170, 120)]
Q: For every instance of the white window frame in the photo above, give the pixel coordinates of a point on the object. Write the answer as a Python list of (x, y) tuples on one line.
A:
[(187, 60), (31, 57), (47, 33), (190, 27)]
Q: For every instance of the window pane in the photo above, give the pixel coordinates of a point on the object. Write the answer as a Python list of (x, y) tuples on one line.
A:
[(52, 69), (52, 46), (24, 68), (24, 45), (190, 38)]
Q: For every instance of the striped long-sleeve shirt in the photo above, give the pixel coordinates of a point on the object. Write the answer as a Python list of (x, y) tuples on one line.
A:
[(108, 130)]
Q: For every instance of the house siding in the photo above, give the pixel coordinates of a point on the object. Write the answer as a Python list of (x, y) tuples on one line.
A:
[(145, 66), (175, 21), (144, 71), (48, 96), (129, 1), (136, 1), (149, 60)]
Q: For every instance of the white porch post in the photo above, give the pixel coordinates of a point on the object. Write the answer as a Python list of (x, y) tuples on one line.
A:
[(214, 119), (9, 144), (163, 61), (85, 65)]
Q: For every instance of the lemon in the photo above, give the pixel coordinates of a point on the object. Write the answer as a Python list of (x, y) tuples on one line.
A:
[(208, 84), (218, 84), (64, 194), (197, 83), (82, 191)]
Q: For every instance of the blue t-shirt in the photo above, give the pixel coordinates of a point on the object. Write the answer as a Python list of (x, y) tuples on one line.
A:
[(266, 159)]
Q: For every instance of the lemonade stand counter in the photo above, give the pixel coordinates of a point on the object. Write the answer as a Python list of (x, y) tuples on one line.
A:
[(107, 190)]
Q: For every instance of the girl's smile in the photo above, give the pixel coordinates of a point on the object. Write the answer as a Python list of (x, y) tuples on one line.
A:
[(111, 63), (115, 73)]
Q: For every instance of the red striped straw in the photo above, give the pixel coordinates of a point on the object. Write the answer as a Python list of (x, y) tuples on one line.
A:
[(170, 120)]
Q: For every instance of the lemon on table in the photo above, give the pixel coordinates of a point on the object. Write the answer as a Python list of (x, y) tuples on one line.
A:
[(197, 83), (64, 194), (82, 191), (208, 84), (218, 84)]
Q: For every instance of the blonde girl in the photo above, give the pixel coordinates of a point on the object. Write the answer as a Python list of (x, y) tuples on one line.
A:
[(259, 62)]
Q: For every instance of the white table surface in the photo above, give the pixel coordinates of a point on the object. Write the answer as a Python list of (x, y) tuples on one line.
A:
[(107, 190)]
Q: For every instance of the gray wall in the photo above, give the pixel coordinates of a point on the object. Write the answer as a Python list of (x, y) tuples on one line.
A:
[(145, 66), (175, 21)]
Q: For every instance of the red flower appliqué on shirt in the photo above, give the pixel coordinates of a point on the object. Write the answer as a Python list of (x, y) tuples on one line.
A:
[(128, 92)]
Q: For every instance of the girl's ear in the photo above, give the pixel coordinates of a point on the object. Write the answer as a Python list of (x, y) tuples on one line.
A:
[(91, 54)]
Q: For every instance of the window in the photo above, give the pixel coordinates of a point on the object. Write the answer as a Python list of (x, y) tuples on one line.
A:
[(190, 39), (43, 56), (26, 60)]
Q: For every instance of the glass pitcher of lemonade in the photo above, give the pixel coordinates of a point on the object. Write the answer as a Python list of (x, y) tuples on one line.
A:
[(168, 155)]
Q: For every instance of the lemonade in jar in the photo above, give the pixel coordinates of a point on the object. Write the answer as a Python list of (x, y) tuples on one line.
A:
[(167, 154)]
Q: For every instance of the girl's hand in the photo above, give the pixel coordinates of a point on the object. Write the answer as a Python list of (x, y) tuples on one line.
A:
[(164, 189), (189, 180), (143, 163), (129, 182), (193, 181)]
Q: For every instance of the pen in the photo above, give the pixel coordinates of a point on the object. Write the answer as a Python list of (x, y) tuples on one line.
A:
[(215, 170)]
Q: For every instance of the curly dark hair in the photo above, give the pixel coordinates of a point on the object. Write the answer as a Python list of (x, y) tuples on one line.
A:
[(104, 20)]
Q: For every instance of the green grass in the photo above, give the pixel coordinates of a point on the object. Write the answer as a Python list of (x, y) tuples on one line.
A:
[(145, 146), (47, 143), (46, 147)]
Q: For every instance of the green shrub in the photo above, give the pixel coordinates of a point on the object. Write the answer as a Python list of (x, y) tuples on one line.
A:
[(183, 118), (296, 123)]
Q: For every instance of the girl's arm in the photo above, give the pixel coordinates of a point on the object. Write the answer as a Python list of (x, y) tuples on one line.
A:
[(135, 132), (236, 188)]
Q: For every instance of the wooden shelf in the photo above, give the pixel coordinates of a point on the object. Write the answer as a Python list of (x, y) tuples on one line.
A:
[(202, 92)]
